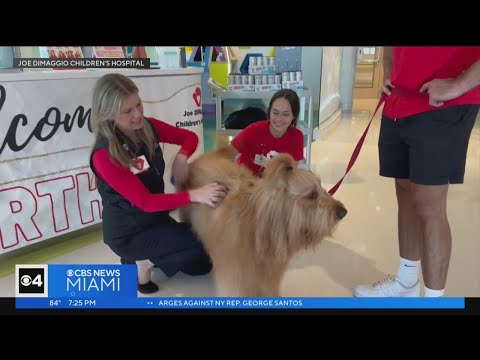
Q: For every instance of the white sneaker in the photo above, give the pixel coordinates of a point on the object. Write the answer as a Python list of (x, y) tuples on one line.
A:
[(388, 287)]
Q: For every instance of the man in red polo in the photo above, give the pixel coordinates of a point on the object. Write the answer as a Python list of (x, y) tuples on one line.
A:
[(431, 107)]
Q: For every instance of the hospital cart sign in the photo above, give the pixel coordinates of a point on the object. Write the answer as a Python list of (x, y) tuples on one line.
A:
[(47, 188)]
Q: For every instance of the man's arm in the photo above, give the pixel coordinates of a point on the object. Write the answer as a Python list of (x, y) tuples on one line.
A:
[(441, 90), (469, 79), (387, 61), (387, 69)]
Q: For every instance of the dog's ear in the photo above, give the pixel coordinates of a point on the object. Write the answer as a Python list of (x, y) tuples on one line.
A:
[(279, 169)]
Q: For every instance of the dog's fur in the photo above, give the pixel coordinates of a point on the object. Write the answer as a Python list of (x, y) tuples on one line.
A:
[(262, 222)]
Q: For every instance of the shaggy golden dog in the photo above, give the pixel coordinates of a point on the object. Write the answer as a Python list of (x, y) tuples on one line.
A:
[(261, 223)]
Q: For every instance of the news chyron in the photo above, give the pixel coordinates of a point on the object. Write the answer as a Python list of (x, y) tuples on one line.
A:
[(79, 280)]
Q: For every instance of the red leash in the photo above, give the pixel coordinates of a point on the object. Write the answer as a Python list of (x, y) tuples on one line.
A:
[(358, 147)]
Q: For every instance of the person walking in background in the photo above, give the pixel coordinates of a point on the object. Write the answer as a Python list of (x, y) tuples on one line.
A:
[(433, 97), (129, 166)]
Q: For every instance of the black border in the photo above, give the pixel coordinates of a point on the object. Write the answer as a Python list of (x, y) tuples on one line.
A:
[(237, 26)]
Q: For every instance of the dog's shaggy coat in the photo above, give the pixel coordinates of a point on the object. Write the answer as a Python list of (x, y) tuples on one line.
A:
[(261, 223)]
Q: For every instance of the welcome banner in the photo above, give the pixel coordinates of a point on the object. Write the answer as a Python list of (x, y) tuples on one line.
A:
[(46, 186)]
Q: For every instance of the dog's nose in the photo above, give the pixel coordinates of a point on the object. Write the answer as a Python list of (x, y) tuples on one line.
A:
[(341, 212)]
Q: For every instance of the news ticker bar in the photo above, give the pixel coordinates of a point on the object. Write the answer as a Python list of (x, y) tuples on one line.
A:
[(114, 286), (240, 303), (81, 63)]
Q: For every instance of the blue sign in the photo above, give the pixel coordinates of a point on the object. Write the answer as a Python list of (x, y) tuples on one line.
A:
[(92, 281), (78, 281)]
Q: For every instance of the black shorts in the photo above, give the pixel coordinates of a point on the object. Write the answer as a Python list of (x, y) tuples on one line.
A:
[(429, 148)]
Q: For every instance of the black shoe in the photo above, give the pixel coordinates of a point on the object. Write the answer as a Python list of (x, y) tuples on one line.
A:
[(148, 288)]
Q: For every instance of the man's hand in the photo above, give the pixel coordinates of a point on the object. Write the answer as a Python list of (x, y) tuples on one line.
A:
[(387, 86), (441, 90)]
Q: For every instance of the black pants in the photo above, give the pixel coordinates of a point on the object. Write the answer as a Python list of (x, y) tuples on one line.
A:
[(172, 247), (429, 148)]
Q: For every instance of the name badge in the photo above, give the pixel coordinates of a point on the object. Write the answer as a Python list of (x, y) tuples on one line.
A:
[(140, 165), (260, 160), (271, 154)]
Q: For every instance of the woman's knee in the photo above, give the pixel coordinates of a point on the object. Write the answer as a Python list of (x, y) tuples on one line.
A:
[(199, 265)]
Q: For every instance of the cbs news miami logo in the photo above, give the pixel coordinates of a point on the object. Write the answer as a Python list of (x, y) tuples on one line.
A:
[(31, 280)]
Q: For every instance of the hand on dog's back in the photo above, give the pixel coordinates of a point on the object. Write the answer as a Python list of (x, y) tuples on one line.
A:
[(210, 194)]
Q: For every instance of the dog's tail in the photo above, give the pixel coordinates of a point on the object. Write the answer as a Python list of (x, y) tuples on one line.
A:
[(226, 152)]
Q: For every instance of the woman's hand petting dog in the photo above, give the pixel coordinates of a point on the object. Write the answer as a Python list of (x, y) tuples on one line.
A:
[(211, 194)]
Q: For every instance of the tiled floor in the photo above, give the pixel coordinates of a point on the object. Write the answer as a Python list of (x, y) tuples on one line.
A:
[(364, 247)]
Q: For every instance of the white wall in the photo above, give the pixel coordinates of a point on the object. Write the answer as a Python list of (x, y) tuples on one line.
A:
[(347, 77), (330, 89), (312, 71)]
